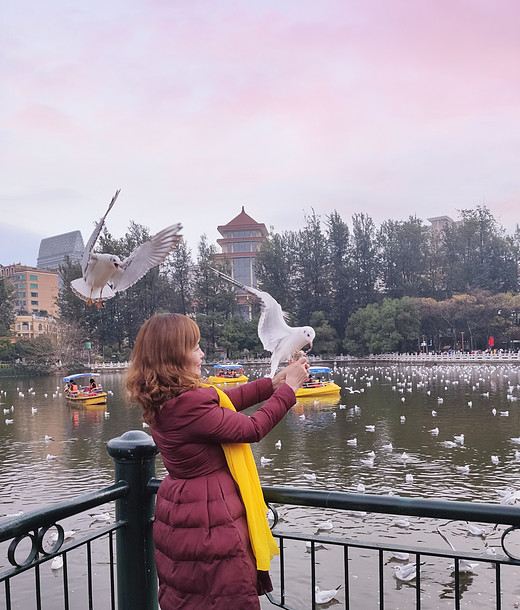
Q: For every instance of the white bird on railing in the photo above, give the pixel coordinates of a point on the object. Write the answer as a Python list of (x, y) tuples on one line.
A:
[(105, 274), (325, 596), (275, 334), (325, 526)]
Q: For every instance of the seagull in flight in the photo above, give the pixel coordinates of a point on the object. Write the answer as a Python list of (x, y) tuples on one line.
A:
[(275, 334), (106, 274)]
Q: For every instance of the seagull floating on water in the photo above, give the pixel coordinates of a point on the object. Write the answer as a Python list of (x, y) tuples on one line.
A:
[(406, 573), (325, 596), (103, 275)]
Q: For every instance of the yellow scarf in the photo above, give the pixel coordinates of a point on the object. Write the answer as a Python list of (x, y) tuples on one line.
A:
[(242, 465)]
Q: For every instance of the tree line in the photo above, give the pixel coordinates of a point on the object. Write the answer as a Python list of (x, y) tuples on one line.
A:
[(401, 286)]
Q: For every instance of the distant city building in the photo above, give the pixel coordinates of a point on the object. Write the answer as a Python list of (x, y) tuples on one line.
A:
[(241, 238), (31, 326), (53, 250), (36, 291), (437, 223)]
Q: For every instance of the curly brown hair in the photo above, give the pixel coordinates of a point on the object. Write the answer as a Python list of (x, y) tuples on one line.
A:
[(158, 362)]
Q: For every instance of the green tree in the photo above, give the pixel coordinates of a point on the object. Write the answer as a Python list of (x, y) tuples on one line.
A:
[(179, 266), (326, 341), (340, 275), (402, 248), (364, 259), (214, 298), (276, 268), (313, 262), (391, 326), (6, 307)]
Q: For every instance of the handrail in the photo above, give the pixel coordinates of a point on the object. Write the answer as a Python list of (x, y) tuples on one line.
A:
[(44, 517), (390, 505), (395, 505)]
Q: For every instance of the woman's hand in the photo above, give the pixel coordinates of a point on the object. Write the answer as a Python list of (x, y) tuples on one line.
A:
[(293, 375)]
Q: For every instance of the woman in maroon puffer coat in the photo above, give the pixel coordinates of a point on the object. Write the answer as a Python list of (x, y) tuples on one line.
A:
[(203, 552)]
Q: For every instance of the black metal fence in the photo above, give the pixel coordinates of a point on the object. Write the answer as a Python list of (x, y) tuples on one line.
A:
[(128, 569)]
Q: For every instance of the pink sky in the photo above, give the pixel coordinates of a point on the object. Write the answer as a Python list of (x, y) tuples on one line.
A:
[(393, 108)]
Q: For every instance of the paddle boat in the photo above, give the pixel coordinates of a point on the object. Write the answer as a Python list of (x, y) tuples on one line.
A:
[(318, 383), (81, 392), (227, 373)]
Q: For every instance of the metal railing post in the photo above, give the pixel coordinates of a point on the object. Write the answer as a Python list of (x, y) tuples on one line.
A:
[(134, 456)]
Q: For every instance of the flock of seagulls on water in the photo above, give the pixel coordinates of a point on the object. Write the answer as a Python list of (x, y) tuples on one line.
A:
[(403, 382)]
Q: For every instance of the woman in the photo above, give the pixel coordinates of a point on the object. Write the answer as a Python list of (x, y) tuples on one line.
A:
[(206, 524)]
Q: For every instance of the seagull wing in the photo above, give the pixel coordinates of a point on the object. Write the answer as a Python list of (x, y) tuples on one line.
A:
[(146, 256), (95, 234), (272, 328)]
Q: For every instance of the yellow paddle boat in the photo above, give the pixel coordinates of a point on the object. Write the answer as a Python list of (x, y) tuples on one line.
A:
[(318, 383), (227, 373), (84, 390)]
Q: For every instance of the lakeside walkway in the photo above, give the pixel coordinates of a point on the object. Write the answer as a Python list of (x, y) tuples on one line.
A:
[(414, 358)]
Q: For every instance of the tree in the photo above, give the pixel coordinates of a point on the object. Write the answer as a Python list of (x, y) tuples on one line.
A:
[(391, 326), (277, 269), (6, 307), (341, 273), (214, 298), (312, 288), (402, 250), (326, 340), (364, 259), (179, 265), (478, 255)]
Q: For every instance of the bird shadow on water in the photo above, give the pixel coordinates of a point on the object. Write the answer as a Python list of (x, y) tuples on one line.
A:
[(449, 588)]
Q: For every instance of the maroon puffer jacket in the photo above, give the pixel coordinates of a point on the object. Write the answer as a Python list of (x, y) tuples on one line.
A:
[(203, 555)]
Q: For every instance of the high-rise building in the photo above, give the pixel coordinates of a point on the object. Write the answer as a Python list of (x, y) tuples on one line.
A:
[(35, 290), (53, 250), (241, 238)]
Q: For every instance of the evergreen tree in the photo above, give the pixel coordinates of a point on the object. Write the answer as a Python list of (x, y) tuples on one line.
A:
[(6, 307)]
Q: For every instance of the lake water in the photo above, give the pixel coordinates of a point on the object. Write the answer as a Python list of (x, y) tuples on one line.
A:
[(329, 448)]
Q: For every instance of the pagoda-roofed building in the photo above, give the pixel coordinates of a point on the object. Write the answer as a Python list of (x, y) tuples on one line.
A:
[(241, 239)]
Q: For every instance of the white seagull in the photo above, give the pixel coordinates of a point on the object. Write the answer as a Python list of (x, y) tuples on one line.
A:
[(105, 274), (325, 596), (275, 334), (406, 572)]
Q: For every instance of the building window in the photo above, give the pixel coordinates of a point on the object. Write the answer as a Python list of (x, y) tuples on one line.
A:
[(243, 271), (21, 294), (34, 286), (40, 327), (232, 234), (25, 326), (34, 303), (34, 294), (243, 246), (33, 277)]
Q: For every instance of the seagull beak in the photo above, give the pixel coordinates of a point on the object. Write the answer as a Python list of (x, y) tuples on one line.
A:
[(116, 265)]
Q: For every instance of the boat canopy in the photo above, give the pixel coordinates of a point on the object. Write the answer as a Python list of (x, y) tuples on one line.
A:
[(229, 367), (319, 369), (79, 375)]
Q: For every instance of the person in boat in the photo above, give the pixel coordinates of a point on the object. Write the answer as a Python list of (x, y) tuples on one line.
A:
[(204, 548), (309, 382), (73, 387), (93, 386)]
